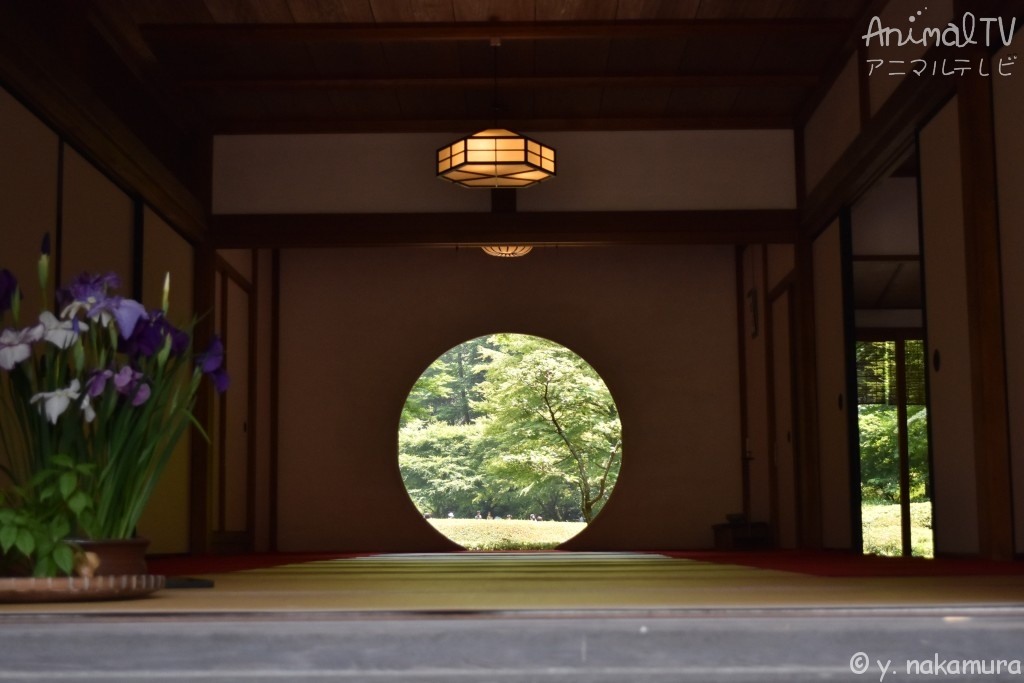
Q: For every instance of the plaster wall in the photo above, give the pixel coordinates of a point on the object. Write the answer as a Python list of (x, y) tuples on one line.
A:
[(833, 401), (833, 126), (955, 508), (658, 324), (614, 171), (28, 199), (165, 522), (1008, 100)]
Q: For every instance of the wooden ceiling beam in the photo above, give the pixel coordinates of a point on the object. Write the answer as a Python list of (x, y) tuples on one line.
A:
[(755, 80), (264, 34), (554, 228), (241, 126)]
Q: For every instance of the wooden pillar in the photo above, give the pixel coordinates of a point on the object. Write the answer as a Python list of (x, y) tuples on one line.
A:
[(203, 299), (985, 310), (806, 416)]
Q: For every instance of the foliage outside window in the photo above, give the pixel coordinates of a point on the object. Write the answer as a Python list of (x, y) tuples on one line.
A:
[(510, 426)]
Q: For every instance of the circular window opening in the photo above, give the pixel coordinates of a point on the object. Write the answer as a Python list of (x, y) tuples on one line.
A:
[(509, 442)]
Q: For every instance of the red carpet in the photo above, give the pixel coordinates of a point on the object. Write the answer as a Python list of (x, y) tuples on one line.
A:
[(824, 563)]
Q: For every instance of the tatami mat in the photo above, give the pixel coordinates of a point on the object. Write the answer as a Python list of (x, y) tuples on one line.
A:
[(482, 582)]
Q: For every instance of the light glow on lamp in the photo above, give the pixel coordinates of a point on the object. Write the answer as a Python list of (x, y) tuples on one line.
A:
[(495, 157), (508, 251)]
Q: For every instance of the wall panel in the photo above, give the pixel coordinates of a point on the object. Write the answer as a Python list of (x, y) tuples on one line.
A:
[(628, 170), (833, 403), (833, 126), (165, 522), (659, 324), (1008, 99), (758, 447), (97, 223), (896, 14), (955, 510), (28, 195)]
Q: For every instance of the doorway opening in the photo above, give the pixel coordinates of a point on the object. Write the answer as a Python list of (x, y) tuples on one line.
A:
[(509, 442), (892, 419)]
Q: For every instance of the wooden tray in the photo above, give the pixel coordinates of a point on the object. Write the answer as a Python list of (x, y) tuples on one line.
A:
[(76, 589)]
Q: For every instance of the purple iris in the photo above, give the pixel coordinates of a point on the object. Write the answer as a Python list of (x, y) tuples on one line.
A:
[(127, 381), (127, 313), (211, 362), (8, 286), (88, 286), (149, 334), (89, 293), (95, 385)]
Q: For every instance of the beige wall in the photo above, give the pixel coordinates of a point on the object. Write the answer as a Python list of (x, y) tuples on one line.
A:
[(896, 14), (758, 446), (885, 219), (165, 522), (955, 511), (264, 417), (635, 170), (658, 324), (97, 224), (833, 126), (28, 196), (833, 401), (1009, 109), (781, 261)]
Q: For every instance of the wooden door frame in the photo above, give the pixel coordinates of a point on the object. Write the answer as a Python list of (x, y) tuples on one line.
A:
[(225, 273)]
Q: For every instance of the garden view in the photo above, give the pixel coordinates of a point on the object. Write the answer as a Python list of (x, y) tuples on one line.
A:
[(509, 442), (891, 374), (514, 442)]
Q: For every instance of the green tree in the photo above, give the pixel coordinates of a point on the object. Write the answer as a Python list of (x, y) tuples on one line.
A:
[(551, 422), (441, 466), (447, 389), (877, 418)]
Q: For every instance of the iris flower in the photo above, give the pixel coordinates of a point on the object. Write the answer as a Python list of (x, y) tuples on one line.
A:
[(8, 287), (56, 402), (16, 345), (127, 381), (61, 334), (88, 293), (212, 363), (149, 335)]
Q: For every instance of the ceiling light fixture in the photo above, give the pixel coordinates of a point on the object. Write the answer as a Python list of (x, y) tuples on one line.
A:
[(508, 251), (497, 159)]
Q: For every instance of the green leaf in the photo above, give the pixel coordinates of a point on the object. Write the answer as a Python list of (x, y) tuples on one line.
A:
[(62, 460), (59, 528), (25, 542), (68, 483), (64, 557), (44, 567), (47, 493), (78, 502), (7, 516), (8, 535)]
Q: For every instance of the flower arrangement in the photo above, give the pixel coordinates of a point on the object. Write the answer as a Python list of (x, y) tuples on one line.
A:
[(93, 400)]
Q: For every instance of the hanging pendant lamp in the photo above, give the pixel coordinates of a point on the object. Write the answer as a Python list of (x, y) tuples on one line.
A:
[(497, 159)]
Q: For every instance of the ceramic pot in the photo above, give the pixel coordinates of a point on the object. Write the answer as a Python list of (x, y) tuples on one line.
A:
[(120, 557)]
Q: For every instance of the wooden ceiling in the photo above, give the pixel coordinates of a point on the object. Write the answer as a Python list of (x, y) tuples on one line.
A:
[(170, 74), (267, 66)]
